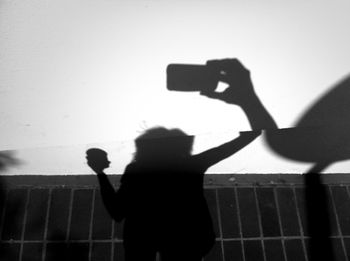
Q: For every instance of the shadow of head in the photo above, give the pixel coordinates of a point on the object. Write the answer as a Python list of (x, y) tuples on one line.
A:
[(322, 134), (162, 144)]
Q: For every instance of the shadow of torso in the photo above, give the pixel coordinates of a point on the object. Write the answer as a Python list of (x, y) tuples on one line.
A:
[(165, 204)]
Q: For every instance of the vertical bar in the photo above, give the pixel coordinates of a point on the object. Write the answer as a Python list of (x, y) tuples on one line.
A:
[(347, 246), (220, 225), (293, 250), (239, 223), (24, 225), (248, 214), (70, 211), (260, 223), (91, 222), (35, 222), (334, 225), (118, 230), (274, 250), (32, 252), (300, 225), (59, 214), (112, 242), (46, 225), (253, 250), (333, 206), (341, 202), (299, 193), (210, 196), (215, 254), (280, 223), (288, 211), (347, 240), (118, 252), (338, 249), (268, 212), (228, 213), (102, 221), (81, 214), (3, 211)]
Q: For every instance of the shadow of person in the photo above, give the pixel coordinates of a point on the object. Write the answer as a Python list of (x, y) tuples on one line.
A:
[(164, 185), (321, 136), (161, 196)]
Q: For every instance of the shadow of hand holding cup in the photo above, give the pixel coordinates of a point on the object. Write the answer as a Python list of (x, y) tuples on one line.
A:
[(97, 160)]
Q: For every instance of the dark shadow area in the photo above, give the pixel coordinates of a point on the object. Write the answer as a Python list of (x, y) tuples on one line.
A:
[(23, 219), (7, 251), (161, 196), (322, 134), (69, 224), (321, 137), (63, 250), (7, 159)]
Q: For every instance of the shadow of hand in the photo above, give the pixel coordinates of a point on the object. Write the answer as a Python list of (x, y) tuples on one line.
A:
[(97, 160), (232, 72)]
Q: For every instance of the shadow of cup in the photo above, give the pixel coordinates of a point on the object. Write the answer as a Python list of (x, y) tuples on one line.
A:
[(322, 133), (97, 158)]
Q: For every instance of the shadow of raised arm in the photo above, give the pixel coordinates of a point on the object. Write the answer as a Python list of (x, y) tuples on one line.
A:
[(212, 156)]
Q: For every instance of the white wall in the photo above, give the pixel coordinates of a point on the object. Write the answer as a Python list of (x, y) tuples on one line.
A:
[(76, 73)]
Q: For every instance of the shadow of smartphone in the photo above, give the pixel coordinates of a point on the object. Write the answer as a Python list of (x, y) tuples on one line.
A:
[(191, 78)]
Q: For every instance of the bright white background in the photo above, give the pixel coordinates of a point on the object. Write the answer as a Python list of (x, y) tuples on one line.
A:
[(82, 73)]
